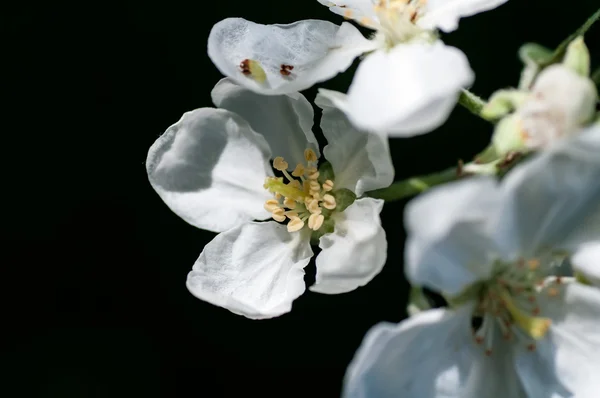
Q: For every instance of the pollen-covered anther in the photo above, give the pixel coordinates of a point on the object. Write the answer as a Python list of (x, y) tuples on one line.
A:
[(329, 202), (313, 206), (314, 186), (315, 221), (252, 68), (289, 203), (310, 155), (295, 224), (327, 185), (312, 174), (280, 164), (278, 215), (299, 170), (295, 184), (271, 205)]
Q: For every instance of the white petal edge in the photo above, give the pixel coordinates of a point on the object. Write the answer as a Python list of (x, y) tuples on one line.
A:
[(361, 161), (317, 50), (209, 168), (255, 270), (448, 235), (285, 121), (445, 14), (407, 91), (355, 252), (425, 356), (587, 261)]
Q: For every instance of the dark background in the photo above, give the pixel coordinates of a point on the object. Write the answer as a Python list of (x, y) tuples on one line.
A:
[(93, 263)]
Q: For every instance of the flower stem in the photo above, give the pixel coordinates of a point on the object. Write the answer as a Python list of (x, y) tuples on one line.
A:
[(473, 103), (562, 47), (414, 185)]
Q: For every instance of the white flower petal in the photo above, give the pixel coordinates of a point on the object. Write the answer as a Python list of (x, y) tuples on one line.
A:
[(406, 91), (565, 363), (494, 375), (317, 50), (362, 11), (425, 356), (587, 261), (444, 14), (355, 252), (210, 168), (553, 200), (255, 270), (448, 245), (361, 161), (285, 122)]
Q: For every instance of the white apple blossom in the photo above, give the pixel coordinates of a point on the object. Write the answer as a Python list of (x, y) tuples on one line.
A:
[(513, 329), (212, 169), (411, 83)]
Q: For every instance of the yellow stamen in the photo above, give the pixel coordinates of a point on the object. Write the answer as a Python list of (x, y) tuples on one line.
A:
[(280, 164), (327, 185), (310, 155), (271, 205), (329, 202), (295, 224), (298, 171), (289, 203), (295, 184), (315, 221), (536, 327), (278, 215), (313, 206)]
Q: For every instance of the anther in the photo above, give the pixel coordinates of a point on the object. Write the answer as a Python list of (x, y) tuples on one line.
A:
[(310, 155), (329, 202), (315, 221), (280, 164), (289, 203), (313, 207), (327, 185), (278, 215), (313, 176), (314, 186), (298, 171), (295, 224), (252, 68), (271, 205)]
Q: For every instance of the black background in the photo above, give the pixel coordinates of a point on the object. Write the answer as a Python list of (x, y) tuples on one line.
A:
[(93, 263)]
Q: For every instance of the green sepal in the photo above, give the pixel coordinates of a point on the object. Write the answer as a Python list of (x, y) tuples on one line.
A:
[(577, 57), (417, 301), (502, 103), (507, 136), (534, 53), (325, 172), (343, 198)]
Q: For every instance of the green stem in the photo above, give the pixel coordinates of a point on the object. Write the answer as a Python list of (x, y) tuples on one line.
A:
[(562, 48), (415, 185), (471, 102)]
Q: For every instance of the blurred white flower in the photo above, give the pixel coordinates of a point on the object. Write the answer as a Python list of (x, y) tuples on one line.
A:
[(513, 329), (212, 169), (411, 83)]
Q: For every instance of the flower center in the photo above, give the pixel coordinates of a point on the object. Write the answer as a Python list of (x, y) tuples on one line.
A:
[(397, 19), (508, 303), (302, 199)]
